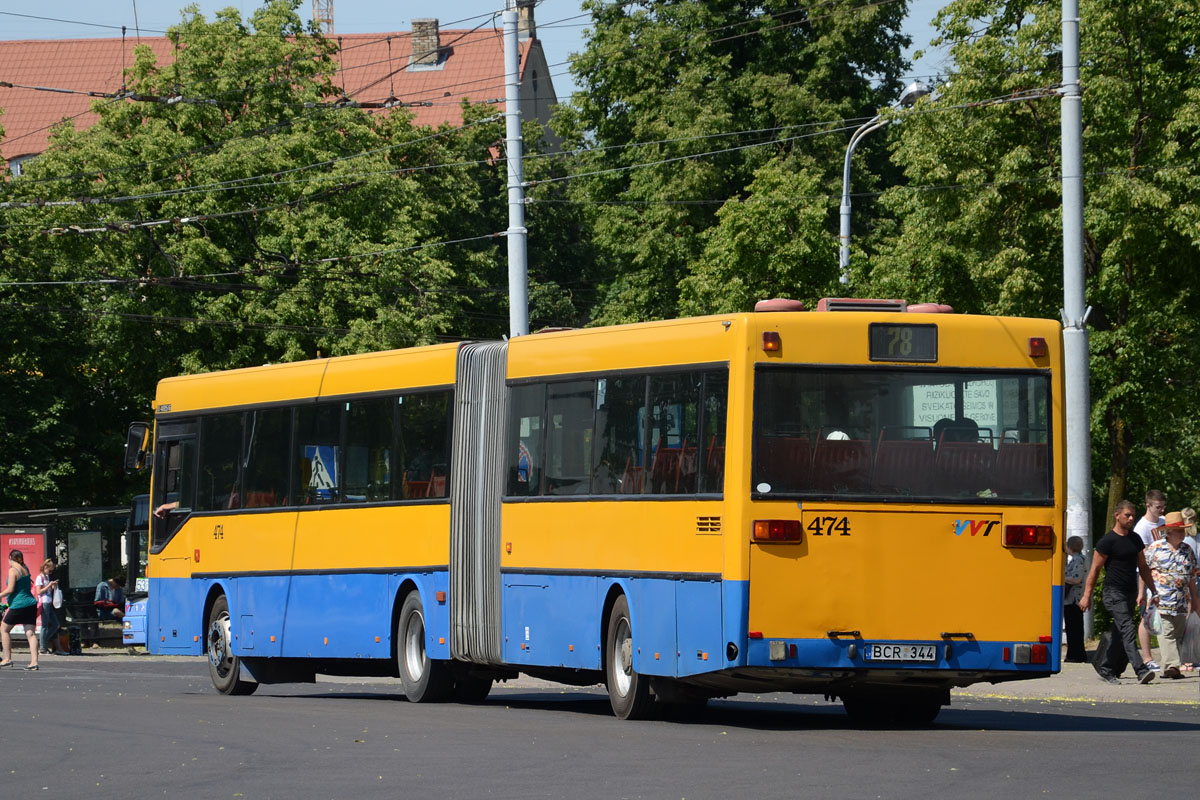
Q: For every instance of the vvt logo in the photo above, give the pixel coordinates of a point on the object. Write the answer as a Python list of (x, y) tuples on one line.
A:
[(962, 526)]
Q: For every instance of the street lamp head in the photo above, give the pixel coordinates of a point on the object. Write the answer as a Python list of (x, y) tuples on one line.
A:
[(913, 92)]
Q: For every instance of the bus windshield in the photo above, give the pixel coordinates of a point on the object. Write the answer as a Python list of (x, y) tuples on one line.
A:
[(902, 434)]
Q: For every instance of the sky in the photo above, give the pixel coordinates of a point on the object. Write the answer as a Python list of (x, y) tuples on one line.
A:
[(560, 23)]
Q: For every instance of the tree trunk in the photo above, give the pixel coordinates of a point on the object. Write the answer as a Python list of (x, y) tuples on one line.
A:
[(1118, 436)]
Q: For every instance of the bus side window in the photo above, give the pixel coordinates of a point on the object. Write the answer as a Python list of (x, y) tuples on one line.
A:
[(424, 435), (174, 488), (264, 464), (619, 466), (220, 450), (712, 435), (317, 465), (526, 434)]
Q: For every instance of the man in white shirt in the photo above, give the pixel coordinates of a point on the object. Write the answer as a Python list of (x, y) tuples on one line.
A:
[(1156, 504)]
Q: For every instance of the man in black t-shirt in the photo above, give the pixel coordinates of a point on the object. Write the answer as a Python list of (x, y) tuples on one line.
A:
[(1120, 553)]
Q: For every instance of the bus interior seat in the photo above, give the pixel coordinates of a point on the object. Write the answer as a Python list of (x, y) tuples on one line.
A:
[(714, 465), (631, 479), (786, 461), (437, 482), (903, 466), (842, 465), (1021, 469), (685, 468), (965, 467), (664, 468)]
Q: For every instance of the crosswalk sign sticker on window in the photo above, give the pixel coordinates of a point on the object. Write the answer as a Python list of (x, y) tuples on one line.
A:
[(323, 460)]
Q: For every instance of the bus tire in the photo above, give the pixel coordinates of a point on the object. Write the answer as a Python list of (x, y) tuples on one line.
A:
[(628, 692), (472, 690), (224, 667), (425, 680), (905, 709)]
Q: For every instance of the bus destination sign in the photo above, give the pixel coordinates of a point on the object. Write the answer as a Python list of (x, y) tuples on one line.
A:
[(899, 342)]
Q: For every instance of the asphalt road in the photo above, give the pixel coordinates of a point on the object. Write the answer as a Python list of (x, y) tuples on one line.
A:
[(135, 727)]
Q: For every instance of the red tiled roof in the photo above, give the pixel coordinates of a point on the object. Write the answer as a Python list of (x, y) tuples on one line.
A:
[(471, 66)]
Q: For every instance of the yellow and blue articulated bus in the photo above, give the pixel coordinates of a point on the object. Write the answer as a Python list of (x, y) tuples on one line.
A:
[(863, 501)]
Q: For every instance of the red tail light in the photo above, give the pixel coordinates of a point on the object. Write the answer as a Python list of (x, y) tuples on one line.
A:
[(1028, 536), (777, 530), (1038, 654)]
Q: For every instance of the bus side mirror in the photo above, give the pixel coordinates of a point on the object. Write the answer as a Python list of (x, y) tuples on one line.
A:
[(137, 446)]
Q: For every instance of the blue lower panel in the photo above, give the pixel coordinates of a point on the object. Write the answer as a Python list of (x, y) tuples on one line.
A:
[(558, 620), (342, 615)]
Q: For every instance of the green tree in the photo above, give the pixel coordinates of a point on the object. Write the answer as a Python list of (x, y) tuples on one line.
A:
[(666, 81), (246, 221), (980, 222)]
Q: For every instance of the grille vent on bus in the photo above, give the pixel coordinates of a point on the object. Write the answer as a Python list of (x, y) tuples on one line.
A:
[(708, 524)]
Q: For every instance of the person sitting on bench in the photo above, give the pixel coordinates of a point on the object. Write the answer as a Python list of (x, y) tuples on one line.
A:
[(110, 598)]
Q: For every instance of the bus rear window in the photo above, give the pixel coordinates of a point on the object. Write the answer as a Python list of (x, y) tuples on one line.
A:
[(902, 434)]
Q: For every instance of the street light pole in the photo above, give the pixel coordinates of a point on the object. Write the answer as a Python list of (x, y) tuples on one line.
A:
[(911, 94)]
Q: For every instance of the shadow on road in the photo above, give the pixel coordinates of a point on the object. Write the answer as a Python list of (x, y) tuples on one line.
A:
[(810, 714)]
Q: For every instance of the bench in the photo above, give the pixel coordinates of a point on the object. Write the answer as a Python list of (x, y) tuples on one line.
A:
[(92, 629)]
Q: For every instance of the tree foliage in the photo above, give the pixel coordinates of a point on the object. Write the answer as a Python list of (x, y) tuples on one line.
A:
[(719, 221), (251, 222)]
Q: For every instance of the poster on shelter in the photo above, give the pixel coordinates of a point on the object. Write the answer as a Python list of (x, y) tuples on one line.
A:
[(31, 543), (83, 558)]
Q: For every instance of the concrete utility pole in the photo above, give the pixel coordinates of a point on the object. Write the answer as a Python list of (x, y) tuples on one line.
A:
[(1075, 312), (518, 300)]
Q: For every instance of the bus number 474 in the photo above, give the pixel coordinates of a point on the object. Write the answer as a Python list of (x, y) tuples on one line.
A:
[(829, 526)]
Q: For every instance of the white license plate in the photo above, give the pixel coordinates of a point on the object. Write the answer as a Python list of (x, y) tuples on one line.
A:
[(902, 652)]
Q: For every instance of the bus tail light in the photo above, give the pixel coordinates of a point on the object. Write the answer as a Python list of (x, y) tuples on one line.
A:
[(777, 530), (1028, 536)]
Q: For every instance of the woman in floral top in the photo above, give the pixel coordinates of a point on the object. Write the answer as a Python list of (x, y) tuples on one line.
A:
[(1171, 565)]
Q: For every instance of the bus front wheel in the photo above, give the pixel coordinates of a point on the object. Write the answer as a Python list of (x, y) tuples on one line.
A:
[(628, 692), (425, 680), (224, 667)]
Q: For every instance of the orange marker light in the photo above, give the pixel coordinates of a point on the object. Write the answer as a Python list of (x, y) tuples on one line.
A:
[(441, 640), (272, 637), (772, 343), (326, 640), (441, 596), (376, 639)]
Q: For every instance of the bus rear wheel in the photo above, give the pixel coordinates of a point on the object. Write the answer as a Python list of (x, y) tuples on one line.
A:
[(904, 709), (628, 692), (224, 667), (425, 680)]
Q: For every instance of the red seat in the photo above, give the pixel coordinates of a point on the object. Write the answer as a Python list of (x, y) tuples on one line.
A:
[(714, 467), (903, 466), (1021, 470), (785, 462), (965, 467), (631, 480), (842, 465)]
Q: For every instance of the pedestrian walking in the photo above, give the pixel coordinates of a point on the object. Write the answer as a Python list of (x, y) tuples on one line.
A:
[(22, 609), (1120, 554)]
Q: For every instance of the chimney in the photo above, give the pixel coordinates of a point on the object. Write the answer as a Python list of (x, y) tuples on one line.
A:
[(525, 27), (425, 42)]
